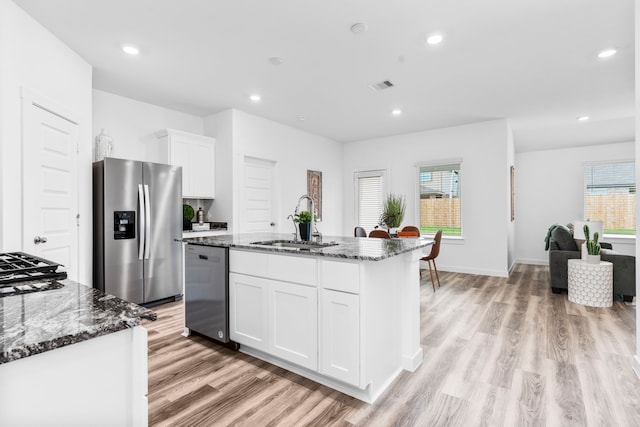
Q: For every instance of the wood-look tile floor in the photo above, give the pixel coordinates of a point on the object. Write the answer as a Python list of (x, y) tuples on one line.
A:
[(497, 352)]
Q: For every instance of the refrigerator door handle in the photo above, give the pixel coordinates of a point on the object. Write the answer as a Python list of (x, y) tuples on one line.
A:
[(147, 222), (141, 222)]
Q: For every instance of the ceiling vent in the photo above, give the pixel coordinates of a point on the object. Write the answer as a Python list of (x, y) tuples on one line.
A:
[(382, 85)]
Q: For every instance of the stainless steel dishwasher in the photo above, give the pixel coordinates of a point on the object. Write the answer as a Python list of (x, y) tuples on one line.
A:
[(207, 291)]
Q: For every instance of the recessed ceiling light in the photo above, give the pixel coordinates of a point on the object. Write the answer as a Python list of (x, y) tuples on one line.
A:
[(396, 112), (583, 118), (359, 28), (130, 49), (607, 53), (255, 98), (435, 38)]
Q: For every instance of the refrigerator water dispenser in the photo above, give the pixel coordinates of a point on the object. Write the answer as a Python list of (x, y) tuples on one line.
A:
[(124, 225)]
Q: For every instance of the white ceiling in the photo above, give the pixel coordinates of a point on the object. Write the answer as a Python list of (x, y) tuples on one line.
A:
[(531, 61)]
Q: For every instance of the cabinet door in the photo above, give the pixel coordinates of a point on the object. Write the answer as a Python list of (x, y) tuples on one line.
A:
[(179, 156), (340, 336), (202, 169), (293, 323), (248, 310)]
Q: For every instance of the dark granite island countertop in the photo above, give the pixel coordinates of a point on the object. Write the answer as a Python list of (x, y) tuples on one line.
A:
[(357, 248), (37, 322)]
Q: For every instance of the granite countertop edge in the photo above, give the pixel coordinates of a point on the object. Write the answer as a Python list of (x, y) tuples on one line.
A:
[(106, 314), (357, 248)]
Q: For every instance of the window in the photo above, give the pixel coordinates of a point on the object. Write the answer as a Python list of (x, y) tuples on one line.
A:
[(440, 201), (610, 195), (370, 191)]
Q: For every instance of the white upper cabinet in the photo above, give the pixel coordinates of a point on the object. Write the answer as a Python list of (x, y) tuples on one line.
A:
[(196, 155)]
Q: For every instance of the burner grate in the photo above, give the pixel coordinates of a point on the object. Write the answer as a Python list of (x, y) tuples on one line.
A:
[(19, 266)]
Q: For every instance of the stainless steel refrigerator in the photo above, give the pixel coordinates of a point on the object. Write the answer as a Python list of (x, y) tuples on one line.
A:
[(137, 223)]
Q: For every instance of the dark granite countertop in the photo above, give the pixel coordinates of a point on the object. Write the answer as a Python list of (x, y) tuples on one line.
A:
[(36, 322), (361, 248)]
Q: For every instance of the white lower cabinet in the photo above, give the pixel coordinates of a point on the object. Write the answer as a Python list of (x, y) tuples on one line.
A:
[(278, 309), (347, 324), (248, 310), (293, 323), (340, 336)]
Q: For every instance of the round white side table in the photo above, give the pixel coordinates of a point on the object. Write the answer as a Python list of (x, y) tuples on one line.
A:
[(590, 284)]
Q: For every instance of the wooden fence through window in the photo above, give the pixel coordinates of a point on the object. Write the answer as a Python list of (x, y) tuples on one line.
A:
[(443, 212), (616, 211)]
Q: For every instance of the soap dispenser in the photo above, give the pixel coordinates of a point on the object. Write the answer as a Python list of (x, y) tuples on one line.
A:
[(200, 216)]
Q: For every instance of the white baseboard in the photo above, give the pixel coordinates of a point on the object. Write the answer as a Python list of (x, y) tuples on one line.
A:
[(476, 271), (532, 261), (411, 363)]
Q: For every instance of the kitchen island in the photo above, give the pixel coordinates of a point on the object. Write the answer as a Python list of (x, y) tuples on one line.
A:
[(345, 313), (72, 355)]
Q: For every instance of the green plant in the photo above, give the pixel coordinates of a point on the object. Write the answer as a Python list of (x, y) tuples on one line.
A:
[(303, 217), (187, 212), (593, 247), (393, 211)]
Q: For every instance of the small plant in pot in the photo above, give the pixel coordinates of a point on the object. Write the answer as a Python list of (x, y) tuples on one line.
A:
[(593, 247), (304, 224), (187, 215), (392, 212)]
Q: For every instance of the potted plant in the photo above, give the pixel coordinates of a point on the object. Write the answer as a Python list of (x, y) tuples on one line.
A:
[(304, 224), (392, 212), (187, 215), (593, 247)]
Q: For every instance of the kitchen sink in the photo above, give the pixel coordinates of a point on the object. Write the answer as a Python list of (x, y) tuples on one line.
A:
[(293, 244)]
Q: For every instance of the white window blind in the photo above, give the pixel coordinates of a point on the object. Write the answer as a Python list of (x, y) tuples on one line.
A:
[(610, 195), (440, 198), (370, 192)]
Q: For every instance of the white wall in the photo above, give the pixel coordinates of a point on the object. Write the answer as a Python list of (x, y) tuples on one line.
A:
[(483, 149), (132, 124), (549, 190), (293, 151), (220, 126), (27, 52)]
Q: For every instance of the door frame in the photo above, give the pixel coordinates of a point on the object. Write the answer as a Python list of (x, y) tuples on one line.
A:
[(31, 98)]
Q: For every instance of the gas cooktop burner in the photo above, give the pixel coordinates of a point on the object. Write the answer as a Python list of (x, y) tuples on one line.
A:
[(22, 267), (28, 287)]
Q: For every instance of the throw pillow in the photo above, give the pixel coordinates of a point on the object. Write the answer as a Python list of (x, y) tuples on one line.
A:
[(563, 238)]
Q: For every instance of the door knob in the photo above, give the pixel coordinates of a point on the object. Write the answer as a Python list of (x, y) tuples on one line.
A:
[(37, 240), (273, 224)]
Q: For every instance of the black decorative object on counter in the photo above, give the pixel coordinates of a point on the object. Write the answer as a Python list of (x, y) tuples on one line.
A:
[(304, 224), (305, 230), (187, 215)]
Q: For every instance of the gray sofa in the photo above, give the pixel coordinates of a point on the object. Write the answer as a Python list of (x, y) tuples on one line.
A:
[(562, 247)]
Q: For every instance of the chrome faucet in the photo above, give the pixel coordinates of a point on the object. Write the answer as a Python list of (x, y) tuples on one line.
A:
[(313, 216), (295, 228)]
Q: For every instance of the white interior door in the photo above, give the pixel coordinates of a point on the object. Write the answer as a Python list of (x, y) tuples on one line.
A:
[(258, 196), (50, 197)]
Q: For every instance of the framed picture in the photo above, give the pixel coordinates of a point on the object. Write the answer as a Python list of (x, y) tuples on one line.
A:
[(314, 189), (513, 192)]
